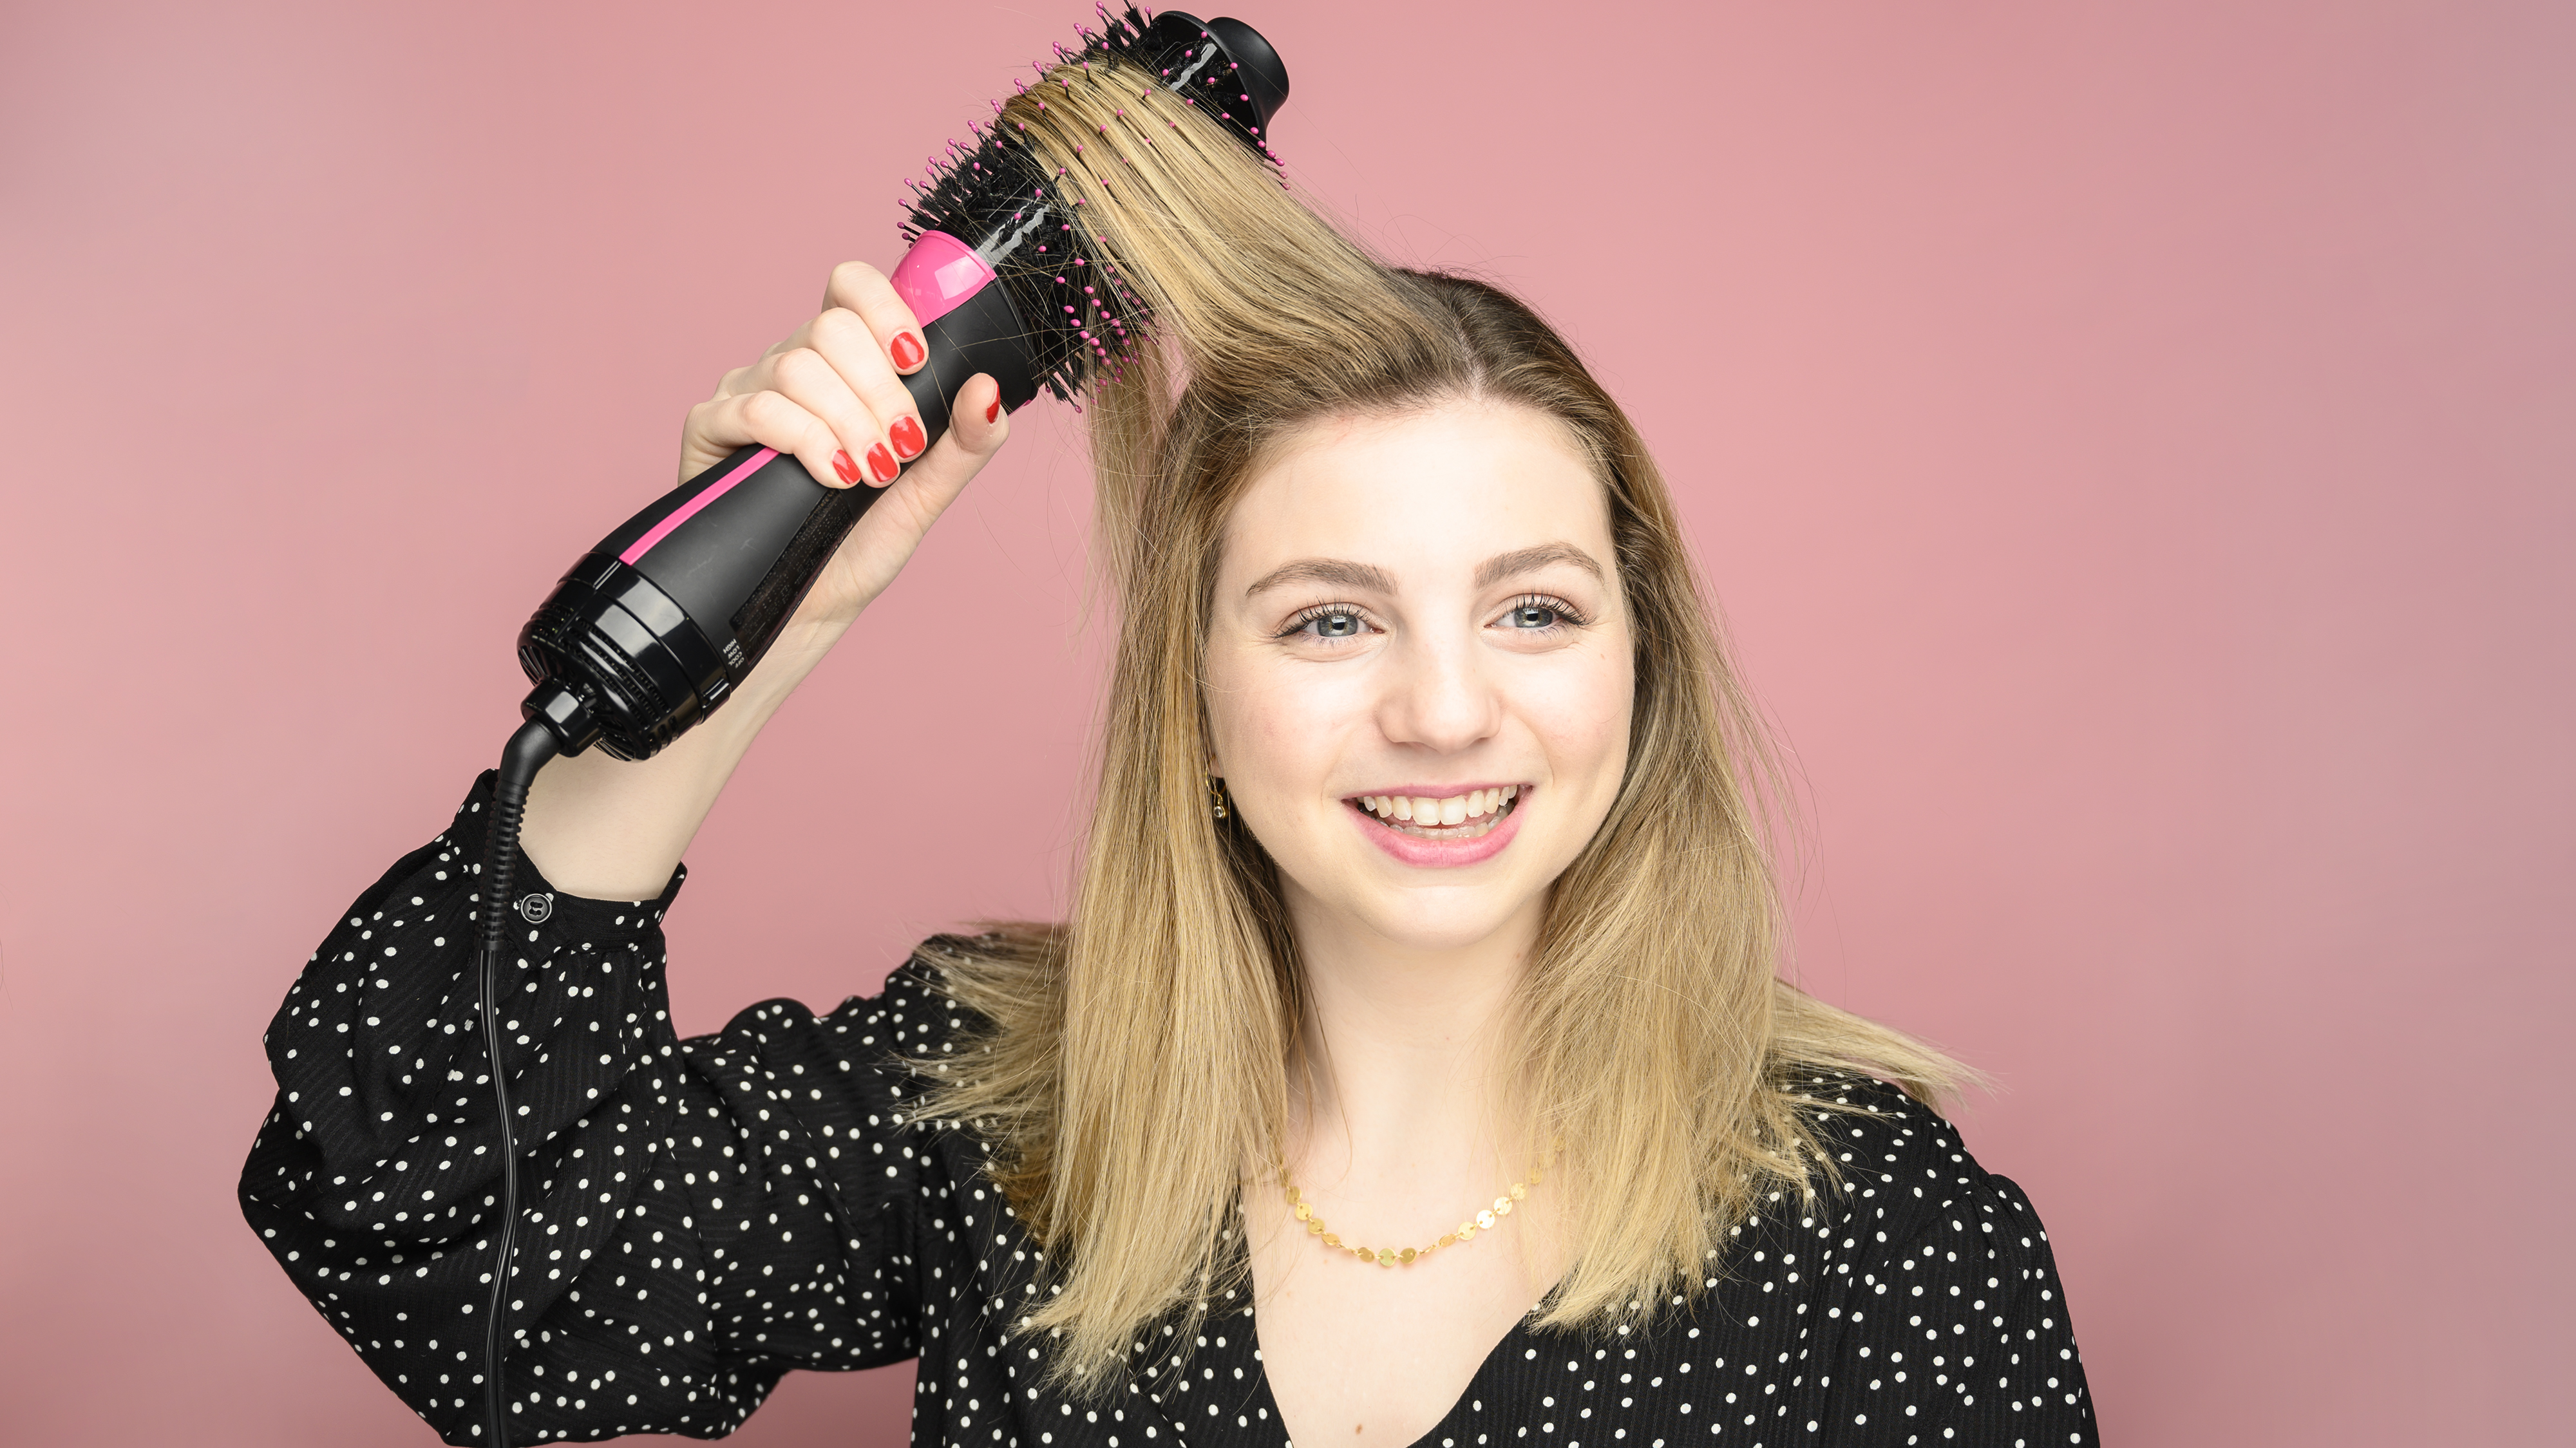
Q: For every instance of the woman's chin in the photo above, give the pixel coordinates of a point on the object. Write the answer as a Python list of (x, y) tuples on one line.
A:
[(1432, 918), (1448, 937)]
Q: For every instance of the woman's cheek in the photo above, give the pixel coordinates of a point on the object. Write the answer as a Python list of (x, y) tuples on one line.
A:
[(1275, 732), (1581, 714)]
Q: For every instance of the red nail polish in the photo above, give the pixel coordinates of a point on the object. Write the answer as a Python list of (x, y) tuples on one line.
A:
[(881, 464), (906, 351), (908, 437), (994, 412), (845, 469)]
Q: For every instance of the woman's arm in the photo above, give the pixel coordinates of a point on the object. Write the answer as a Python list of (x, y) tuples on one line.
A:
[(698, 1216), (832, 395), (691, 1229)]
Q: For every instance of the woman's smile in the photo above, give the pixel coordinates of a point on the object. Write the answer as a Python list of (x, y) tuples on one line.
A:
[(1441, 825)]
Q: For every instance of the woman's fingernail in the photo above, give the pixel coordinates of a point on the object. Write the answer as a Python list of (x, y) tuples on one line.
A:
[(994, 412), (881, 464), (845, 469), (906, 350), (908, 438)]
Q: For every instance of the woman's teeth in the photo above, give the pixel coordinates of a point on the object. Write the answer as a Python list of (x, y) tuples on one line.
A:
[(1423, 812)]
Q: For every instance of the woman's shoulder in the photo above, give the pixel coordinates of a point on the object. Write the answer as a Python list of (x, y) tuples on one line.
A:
[(1898, 1163), (999, 989), (920, 1014), (1925, 1252), (941, 1003), (901, 1035), (1866, 1120), (930, 1015)]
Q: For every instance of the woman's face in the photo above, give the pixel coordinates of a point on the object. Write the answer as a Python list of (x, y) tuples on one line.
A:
[(1418, 669)]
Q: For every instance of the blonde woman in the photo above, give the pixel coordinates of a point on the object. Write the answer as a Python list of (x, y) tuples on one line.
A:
[(1413, 1067)]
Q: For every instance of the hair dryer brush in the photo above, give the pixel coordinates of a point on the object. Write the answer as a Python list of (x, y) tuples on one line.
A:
[(1024, 267), (1009, 276)]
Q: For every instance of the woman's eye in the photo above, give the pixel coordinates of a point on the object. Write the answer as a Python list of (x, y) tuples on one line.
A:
[(1329, 624), (1539, 615)]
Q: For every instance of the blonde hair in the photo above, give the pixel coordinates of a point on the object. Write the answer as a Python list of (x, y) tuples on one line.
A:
[(1132, 1063)]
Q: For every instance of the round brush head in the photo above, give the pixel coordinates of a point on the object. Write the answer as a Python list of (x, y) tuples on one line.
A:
[(1264, 76), (1025, 219)]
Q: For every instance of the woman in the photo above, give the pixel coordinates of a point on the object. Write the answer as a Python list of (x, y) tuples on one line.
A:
[(1416, 1018)]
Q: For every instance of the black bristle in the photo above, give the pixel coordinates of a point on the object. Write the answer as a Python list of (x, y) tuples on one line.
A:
[(997, 198)]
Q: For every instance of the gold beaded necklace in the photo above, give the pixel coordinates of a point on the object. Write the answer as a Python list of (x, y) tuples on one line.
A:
[(1485, 1220)]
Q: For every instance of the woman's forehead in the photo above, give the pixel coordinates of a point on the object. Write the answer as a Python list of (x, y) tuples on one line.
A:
[(1394, 489)]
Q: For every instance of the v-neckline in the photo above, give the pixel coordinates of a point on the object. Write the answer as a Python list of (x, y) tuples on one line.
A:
[(1260, 1373)]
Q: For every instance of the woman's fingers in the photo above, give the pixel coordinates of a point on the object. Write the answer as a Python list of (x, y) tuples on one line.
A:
[(765, 417), (798, 401), (844, 341), (861, 289), (878, 547), (974, 435), (870, 335), (844, 369), (833, 395)]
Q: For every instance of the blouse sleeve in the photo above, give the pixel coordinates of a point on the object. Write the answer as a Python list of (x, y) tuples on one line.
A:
[(697, 1217), (1946, 1321)]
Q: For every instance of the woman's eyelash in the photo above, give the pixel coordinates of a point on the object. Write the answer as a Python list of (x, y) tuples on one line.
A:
[(1341, 620), (1306, 618), (1565, 612)]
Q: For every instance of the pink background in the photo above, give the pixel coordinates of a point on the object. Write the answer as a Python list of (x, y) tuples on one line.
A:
[(2134, 445)]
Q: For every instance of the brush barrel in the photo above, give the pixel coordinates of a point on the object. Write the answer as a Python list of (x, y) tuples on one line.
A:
[(659, 621)]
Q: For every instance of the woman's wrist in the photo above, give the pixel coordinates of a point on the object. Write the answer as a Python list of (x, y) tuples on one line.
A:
[(613, 829)]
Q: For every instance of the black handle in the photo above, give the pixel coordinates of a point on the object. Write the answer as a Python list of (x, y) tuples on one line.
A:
[(981, 335), (653, 627)]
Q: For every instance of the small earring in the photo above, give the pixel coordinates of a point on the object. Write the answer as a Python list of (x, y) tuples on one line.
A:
[(1216, 796)]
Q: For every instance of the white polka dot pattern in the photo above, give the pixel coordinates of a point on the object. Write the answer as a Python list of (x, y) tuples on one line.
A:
[(706, 1215)]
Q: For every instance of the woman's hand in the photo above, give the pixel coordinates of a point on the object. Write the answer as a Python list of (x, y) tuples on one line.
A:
[(833, 395)]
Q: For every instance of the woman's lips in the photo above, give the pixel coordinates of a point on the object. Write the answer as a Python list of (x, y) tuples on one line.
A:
[(1446, 833)]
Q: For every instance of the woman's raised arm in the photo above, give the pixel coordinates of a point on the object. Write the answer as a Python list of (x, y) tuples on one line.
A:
[(831, 395)]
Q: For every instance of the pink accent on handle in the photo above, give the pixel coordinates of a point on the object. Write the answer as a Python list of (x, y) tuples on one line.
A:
[(938, 273), (689, 509)]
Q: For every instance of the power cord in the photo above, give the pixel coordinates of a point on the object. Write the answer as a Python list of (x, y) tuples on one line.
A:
[(525, 754)]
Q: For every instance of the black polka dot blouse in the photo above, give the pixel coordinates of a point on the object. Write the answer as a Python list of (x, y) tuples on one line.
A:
[(702, 1216)]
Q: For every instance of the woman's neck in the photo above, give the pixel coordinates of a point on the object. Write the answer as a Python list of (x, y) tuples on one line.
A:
[(1400, 1054)]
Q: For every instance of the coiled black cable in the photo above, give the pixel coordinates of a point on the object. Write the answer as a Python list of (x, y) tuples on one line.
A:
[(525, 754)]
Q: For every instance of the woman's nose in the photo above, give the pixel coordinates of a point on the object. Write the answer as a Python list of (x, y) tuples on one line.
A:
[(1439, 697)]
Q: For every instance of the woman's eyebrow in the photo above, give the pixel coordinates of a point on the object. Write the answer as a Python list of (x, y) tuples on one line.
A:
[(1335, 571), (1529, 560)]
